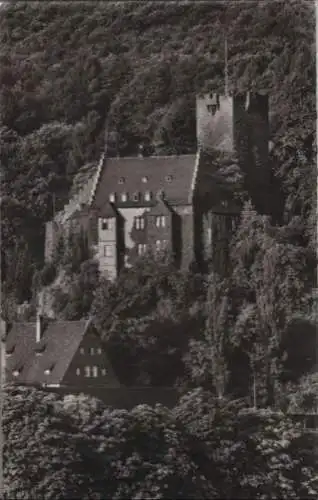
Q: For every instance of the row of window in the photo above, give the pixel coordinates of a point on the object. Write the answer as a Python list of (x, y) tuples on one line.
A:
[(108, 224), (92, 371), (140, 222), (92, 350), (144, 179), (135, 197), (141, 248), (160, 245)]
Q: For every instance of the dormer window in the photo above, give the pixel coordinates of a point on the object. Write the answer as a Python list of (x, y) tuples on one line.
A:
[(78, 371), (112, 197), (121, 180), (136, 197), (147, 196), (39, 349), (48, 370), (144, 179), (107, 224), (168, 178), (10, 351), (124, 197)]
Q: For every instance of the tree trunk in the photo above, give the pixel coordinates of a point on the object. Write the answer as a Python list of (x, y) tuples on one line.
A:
[(254, 392)]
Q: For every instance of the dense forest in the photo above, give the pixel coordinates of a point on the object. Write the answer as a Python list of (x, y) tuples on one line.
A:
[(69, 73)]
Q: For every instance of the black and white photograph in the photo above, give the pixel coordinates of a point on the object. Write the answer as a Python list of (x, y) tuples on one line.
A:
[(158, 211)]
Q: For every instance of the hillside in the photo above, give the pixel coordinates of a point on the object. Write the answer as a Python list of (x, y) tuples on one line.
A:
[(64, 69)]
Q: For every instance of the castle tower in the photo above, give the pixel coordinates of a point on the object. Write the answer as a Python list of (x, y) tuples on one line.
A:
[(107, 242)]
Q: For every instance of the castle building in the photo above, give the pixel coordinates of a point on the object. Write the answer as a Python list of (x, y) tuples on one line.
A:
[(177, 203)]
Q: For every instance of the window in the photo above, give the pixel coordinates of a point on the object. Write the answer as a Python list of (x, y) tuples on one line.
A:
[(108, 251), (140, 223), (92, 350), (158, 245), (82, 350), (141, 248), (99, 350), (121, 180), (136, 197), (160, 221), (95, 371), (112, 197), (124, 197), (47, 372), (147, 196), (15, 373), (107, 224), (211, 109), (144, 179), (104, 371), (87, 371), (78, 371)]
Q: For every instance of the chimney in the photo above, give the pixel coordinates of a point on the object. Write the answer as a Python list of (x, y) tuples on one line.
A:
[(39, 326)]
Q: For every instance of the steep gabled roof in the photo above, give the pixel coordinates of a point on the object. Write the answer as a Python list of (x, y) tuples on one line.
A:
[(161, 208), (108, 210), (54, 352), (172, 174)]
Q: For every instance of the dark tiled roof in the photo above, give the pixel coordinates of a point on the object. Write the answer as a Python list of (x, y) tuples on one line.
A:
[(108, 210), (172, 174), (58, 345), (161, 208)]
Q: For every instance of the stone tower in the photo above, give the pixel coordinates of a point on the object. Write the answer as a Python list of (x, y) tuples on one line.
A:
[(232, 129)]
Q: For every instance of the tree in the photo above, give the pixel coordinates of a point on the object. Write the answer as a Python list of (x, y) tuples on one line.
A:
[(73, 446), (251, 454), (270, 278), (45, 455), (207, 358)]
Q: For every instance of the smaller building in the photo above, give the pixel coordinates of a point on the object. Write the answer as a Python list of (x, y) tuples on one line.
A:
[(49, 353), (68, 357)]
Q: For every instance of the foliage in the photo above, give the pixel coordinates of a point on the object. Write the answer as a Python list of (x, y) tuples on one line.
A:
[(45, 455), (303, 397), (253, 454), (56, 99), (207, 358), (72, 446), (146, 319), (73, 298), (270, 278)]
